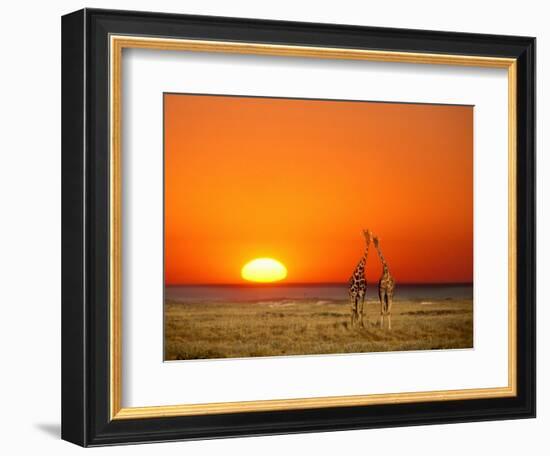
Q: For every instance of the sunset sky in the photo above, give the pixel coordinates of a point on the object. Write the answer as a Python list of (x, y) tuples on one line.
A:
[(298, 180)]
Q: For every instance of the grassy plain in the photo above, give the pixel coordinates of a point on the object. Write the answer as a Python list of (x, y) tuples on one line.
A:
[(238, 330)]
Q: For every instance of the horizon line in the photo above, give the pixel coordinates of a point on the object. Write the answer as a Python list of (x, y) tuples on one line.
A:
[(298, 284)]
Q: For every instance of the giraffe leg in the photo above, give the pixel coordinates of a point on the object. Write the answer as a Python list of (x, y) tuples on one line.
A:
[(365, 309), (387, 310), (361, 309), (357, 301), (353, 303), (389, 298), (380, 297)]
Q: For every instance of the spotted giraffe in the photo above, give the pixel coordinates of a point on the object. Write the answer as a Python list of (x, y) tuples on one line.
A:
[(358, 285), (386, 287)]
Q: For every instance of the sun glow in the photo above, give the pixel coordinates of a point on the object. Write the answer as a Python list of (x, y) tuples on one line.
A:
[(264, 270)]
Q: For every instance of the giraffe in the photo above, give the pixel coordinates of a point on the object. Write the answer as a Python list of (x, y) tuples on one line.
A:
[(386, 286), (358, 284)]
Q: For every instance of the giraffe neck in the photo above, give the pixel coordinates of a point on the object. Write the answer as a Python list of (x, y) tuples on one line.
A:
[(364, 259), (383, 260), (361, 265)]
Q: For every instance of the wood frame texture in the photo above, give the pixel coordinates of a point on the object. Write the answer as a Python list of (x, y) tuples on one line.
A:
[(92, 44)]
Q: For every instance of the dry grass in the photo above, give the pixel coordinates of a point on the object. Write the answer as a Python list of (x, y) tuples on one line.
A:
[(230, 330)]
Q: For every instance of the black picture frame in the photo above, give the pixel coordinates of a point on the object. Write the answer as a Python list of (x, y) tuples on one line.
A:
[(85, 228)]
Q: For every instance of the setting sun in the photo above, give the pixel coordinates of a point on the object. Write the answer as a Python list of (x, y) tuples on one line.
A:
[(263, 270)]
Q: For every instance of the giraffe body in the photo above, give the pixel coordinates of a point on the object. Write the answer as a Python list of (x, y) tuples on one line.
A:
[(386, 287), (358, 286)]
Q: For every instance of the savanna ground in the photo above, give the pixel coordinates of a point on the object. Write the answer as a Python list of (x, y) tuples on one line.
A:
[(237, 330)]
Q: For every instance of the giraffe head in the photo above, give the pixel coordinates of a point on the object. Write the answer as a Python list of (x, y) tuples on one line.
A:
[(376, 241), (368, 235)]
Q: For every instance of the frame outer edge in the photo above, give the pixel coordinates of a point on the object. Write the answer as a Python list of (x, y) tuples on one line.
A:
[(88, 405), (73, 301), (529, 212), (533, 323)]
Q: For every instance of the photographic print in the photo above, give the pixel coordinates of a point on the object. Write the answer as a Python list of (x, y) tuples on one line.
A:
[(309, 226)]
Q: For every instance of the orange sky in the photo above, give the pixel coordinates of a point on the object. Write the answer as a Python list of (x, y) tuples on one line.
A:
[(297, 180)]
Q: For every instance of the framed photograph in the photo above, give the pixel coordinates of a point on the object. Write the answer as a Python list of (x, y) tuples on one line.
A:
[(278, 227)]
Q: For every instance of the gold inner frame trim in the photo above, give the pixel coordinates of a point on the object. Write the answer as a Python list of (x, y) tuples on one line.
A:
[(116, 45)]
